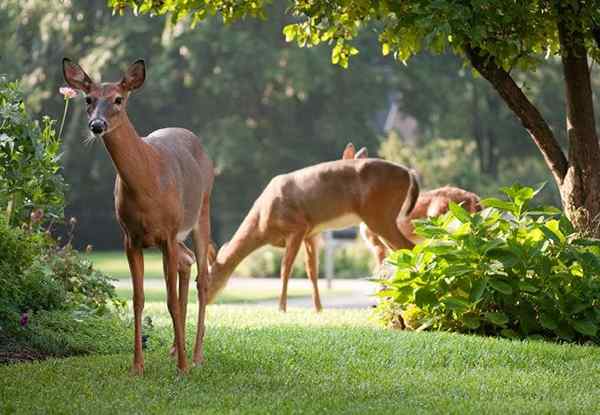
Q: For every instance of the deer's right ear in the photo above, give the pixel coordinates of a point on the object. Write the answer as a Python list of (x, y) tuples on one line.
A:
[(76, 76), (361, 154), (349, 152)]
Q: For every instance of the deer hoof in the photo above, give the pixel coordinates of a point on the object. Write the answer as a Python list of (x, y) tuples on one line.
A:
[(137, 369)]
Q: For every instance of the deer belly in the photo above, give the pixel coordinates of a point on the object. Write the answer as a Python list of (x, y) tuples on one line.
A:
[(340, 222), (182, 235)]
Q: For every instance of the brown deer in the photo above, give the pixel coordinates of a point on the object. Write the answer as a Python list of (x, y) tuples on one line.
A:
[(162, 193), (295, 207), (429, 204)]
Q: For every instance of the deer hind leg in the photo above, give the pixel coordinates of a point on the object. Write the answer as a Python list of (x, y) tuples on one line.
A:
[(135, 257), (388, 232), (184, 267), (292, 245), (311, 247), (201, 238), (375, 244), (170, 251)]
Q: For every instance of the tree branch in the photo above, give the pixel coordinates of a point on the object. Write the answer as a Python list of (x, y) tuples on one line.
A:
[(529, 115)]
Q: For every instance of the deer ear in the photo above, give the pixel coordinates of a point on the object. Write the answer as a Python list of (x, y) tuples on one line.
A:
[(134, 76), (361, 154), (349, 152), (76, 76)]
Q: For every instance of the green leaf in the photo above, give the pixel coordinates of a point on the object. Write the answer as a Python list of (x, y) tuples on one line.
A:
[(586, 327), (499, 204), (456, 304), (501, 286), (477, 290), (471, 322), (460, 213), (425, 297), (565, 226), (548, 322), (528, 287), (497, 318), (509, 333)]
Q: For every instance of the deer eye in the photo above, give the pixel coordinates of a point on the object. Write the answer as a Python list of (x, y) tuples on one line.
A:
[(88, 100), (118, 100)]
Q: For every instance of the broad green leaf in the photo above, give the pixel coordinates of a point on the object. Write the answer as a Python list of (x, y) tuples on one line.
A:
[(499, 204), (509, 333), (497, 318), (548, 322), (586, 327), (477, 290), (471, 322), (456, 304), (528, 287), (460, 213), (425, 297), (501, 286)]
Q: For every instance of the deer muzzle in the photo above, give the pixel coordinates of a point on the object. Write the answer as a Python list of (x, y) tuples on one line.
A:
[(98, 126)]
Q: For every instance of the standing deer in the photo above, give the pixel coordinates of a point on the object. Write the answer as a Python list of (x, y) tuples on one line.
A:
[(429, 204), (295, 207), (162, 193)]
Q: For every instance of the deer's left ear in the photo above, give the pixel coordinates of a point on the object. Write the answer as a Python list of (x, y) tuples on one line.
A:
[(134, 76), (349, 152)]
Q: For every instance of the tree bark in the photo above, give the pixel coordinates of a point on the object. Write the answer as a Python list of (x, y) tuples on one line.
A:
[(580, 190), (527, 113)]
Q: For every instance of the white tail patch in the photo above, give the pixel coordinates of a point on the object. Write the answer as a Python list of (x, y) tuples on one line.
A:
[(408, 202)]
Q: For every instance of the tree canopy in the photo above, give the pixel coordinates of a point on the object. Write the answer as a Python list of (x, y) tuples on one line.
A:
[(495, 37)]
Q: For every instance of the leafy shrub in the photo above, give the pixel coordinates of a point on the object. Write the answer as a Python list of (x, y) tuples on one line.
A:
[(38, 275), (29, 160), (511, 269)]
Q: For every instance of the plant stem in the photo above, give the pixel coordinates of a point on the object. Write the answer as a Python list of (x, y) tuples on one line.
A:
[(62, 123)]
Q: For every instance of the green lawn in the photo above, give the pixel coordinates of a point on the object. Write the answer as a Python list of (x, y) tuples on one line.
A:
[(115, 264), (229, 295), (263, 361)]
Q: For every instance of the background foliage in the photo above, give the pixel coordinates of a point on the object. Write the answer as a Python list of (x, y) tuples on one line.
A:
[(261, 117)]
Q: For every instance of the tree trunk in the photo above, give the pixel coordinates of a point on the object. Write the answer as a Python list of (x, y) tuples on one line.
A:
[(529, 115), (580, 190)]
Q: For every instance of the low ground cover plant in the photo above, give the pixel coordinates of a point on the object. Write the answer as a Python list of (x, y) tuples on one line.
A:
[(513, 269)]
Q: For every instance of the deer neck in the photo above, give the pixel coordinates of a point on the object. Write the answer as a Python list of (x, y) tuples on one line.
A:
[(133, 159), (245, 241)]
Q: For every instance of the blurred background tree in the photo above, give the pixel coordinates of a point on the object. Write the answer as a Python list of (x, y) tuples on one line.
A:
[(265, 107)]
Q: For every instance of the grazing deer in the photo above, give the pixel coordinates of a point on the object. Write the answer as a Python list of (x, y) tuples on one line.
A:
[(295, 207), (429, 204), (162, 193)]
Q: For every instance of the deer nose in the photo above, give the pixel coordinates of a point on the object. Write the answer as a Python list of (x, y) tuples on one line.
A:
[(97, 126)]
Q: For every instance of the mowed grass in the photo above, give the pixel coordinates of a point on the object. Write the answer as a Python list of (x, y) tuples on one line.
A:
[(261, 361), (115, 264), (229, 295)]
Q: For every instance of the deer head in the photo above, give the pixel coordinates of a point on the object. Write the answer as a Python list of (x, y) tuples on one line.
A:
[(105, 102)]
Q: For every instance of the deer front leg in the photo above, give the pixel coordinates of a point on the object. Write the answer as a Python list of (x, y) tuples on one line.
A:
[(135, 257), (311, 262), (201, 239), (184, 267), (170, 259), (292, 245)]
